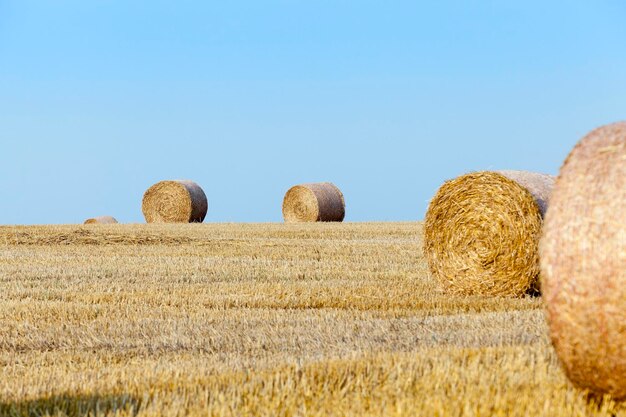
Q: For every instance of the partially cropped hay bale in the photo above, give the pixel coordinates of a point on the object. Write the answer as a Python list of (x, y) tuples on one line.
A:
[(583, 262), (318, 202), (101, 220), (180, 201), (482, 232)]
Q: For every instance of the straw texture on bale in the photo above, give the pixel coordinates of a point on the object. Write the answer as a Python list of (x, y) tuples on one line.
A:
[(318, 202), (583, 262), (179, 201), (101, 220), (482, 232)]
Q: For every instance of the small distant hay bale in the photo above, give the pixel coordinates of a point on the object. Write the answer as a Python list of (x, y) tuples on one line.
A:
[(482, 232), (101, 220), (317, 202), (583, 263), (179, 201)]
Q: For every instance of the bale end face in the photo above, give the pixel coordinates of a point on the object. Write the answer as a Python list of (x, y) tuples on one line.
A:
[(482, 231)]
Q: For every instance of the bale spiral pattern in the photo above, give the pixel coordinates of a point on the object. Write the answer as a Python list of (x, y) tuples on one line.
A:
[(482, 232)]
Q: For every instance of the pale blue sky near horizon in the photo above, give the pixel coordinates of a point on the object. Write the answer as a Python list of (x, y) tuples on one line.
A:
[(101, 99)]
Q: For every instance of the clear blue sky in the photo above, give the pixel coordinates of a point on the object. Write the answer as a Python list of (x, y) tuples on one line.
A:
[(100, 99)]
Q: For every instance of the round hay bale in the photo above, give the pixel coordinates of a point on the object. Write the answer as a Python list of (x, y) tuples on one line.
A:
[(482, 232), (101, 220), (179, 201), (318, 202), (583, 263)]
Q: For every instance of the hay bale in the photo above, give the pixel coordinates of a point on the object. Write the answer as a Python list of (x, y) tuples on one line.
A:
[(318, 202), (101, 220), (583, 262), (179, 201), (482, 232)]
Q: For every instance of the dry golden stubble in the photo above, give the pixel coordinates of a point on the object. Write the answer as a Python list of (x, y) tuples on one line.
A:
[(318, 202), (482, 231), (179, 201), (583, 260), (241, 319)]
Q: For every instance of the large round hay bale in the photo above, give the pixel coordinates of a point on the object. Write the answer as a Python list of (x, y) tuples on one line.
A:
[(482, 232), (101, 220), (179, 201), (583, 262), (318, 202)]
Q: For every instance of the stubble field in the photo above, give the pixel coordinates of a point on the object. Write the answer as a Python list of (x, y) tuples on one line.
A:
[(261, 319)]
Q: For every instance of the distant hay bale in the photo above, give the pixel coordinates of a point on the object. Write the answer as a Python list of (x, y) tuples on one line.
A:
[(583, 263), (318, 202), (482, 232), (101, 220), (179, 201)]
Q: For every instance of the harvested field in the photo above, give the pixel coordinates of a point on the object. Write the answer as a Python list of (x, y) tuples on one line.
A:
[(269, 319)]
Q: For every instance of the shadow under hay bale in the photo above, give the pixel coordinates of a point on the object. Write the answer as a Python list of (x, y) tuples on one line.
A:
[(317, 202), (101, 220), (482, 232), (583, 263), (180, 201)]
